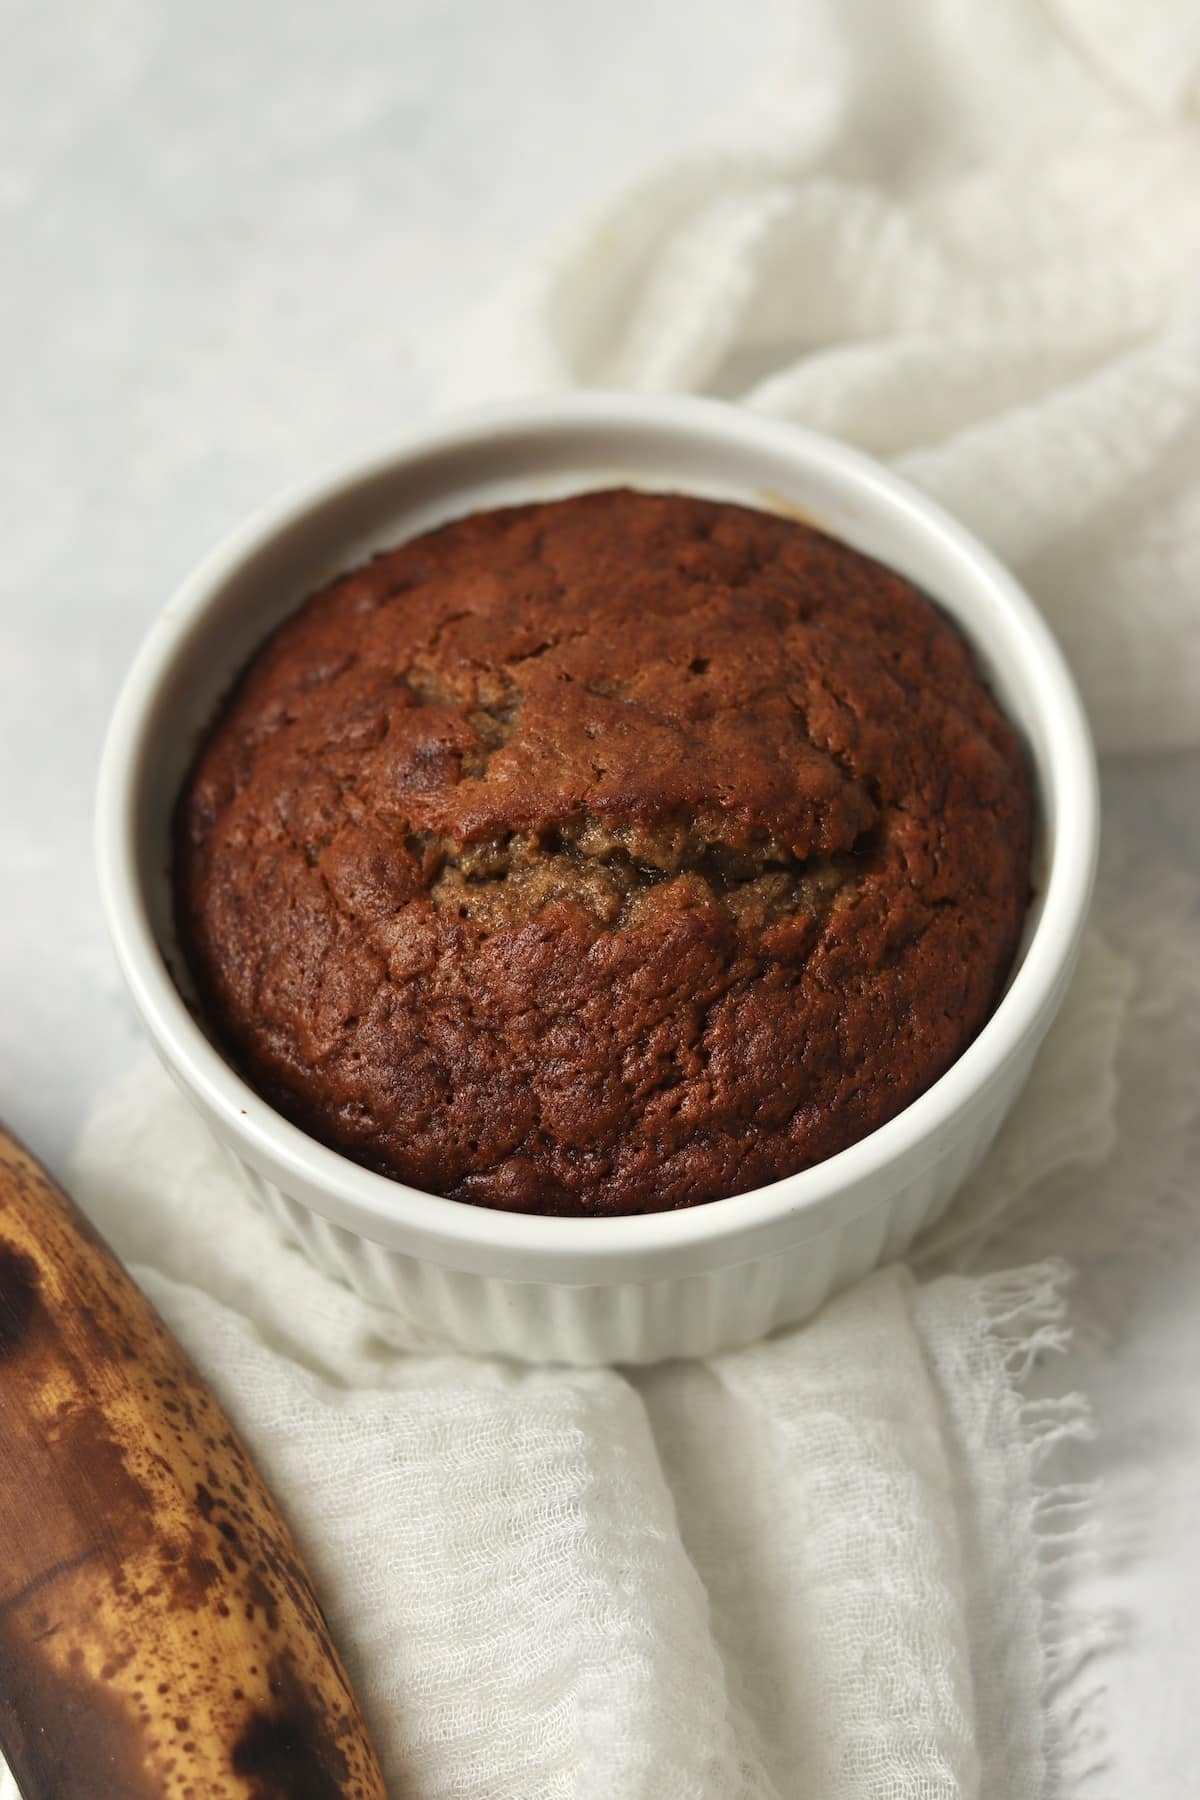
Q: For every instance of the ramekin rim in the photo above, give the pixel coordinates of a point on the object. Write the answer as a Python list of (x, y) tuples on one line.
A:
[(375, 1205)]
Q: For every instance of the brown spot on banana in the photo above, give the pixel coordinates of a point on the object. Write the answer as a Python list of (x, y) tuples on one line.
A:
[(18, 1297), (159, 1635)]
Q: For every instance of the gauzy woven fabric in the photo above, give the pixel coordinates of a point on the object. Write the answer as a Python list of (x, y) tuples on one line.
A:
[(820, 1565), (964, 237)]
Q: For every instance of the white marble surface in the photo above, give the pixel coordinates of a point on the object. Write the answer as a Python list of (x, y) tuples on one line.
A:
[(241, 241)]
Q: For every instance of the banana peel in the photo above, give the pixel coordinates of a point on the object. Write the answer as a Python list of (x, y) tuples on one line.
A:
[(159, 1634)]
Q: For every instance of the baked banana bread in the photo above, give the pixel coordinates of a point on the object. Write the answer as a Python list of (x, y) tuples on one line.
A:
[(604, 855)]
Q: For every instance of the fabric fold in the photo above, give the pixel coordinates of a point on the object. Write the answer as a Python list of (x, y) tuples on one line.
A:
[(814, 1565), (966, 239)]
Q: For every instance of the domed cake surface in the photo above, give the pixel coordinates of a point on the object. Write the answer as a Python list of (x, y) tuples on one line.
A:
[(604, 855)]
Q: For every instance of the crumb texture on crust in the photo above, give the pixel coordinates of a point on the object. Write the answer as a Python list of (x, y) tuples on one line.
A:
[(604, 855)]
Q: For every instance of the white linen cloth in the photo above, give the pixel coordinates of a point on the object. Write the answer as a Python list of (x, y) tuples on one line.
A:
[(835, 1564), (813, 1567), (966, 238)]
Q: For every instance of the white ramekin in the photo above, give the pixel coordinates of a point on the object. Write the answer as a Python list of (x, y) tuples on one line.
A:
[(618, 1289)]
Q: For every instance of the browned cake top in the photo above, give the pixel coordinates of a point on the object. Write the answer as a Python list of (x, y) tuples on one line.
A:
[(602, 855)]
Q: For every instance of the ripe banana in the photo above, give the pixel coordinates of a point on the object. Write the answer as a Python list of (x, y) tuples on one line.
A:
[(159, 1635)]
